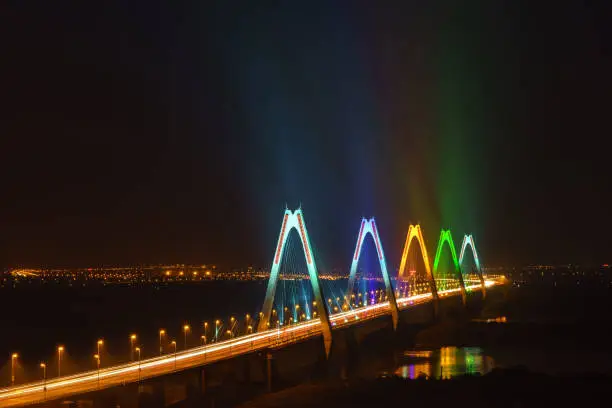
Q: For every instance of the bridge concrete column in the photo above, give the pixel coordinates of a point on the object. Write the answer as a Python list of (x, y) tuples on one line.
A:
[(269, 359), (483, 286), (246, 369), (202, 381), (151, 396)]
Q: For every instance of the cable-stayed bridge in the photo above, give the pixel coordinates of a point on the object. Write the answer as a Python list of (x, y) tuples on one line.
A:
[(356, 307)]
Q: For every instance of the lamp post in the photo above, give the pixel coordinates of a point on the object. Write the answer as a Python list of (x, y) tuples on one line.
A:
[(97, 358), (14, 357), (162, 333), (132, 340), (100, 344), (173, 344), (137, 349), (203, 340), (278, 325), (44, 370), (185, 330), (60, 350), (217, 330)]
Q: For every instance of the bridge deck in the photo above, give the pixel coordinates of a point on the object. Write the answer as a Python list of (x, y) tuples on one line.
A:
[(56, 388)]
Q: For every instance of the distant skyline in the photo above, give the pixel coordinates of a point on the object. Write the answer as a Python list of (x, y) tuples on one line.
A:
[(266, 269), (165, 132)]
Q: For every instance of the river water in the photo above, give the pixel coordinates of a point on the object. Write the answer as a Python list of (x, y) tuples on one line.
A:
[(445, 362)]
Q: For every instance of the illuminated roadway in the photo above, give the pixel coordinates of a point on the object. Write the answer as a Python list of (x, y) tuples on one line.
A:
[(195, 357)]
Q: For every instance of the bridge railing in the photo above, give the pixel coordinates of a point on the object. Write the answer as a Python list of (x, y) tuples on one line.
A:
[(93, 380)]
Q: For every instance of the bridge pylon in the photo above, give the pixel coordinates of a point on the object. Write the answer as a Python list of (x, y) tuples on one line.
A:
[(468, 240), (368, 227), (447, 238), (416, 233), (295, 220)]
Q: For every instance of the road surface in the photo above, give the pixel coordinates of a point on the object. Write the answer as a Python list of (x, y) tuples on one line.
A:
[(60, 387)]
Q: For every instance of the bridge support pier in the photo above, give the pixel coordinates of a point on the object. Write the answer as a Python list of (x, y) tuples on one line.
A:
[(203, 380), (151, 396), (436, 310), (343, 359), (246, 370), (269, 359)]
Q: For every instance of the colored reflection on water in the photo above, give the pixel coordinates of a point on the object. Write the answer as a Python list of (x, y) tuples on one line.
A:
[(445, 363)]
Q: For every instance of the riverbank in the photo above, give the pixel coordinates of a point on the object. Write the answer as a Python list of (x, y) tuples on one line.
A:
[(500, 388)]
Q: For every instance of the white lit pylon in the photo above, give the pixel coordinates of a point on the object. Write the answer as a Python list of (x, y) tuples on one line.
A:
[(469, 240), (295, 220), (368, 227)]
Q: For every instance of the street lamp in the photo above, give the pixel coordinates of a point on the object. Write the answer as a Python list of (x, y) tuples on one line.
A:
[(44, 370), (137, 349), (97, 358), (233, 324), (249, 329), (132, 340), (100, 344), (60, 350), (185, 330), (229, 332), (217, 330), (205, 328), (162, 332), (14, 357), (173, 344)]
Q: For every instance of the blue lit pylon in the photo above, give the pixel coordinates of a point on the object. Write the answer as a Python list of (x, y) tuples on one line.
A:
[(469, 240), (295, 220), (369, 227)]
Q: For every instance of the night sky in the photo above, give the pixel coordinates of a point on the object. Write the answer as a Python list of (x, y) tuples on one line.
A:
[(178, 131)]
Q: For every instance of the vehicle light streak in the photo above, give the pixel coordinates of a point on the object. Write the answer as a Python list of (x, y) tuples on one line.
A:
[(59, 387)]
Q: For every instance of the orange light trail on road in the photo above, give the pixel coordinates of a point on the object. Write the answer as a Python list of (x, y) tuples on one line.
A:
[(309, 328)]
